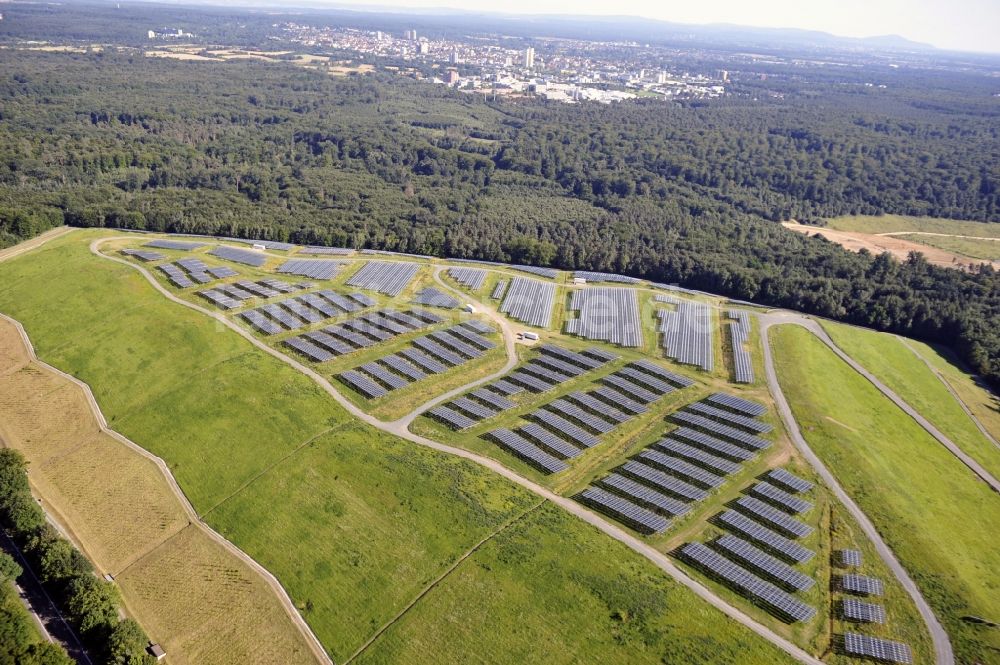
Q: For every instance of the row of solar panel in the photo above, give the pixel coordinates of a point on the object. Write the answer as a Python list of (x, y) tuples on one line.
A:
[(327, 251), (388, 277), (432, 353), (499, 289), (604, 277), (607, 314), (550, 273)]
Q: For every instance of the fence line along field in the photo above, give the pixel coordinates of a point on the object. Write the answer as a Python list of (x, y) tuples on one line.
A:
[(206, 606)]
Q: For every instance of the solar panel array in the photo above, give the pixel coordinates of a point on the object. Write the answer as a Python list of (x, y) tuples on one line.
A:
[(144, 255), (432, 354), (529, 301), (313, 268), (566, 426), (606, 314), (435, 298), (188, 272), (499, 289), (853, 609), (735, 404), (863, 646), (329, 251), (772, 517), (388, 277), (476, 406), (746, 583), (604, 277), (245, 256), (719, 430), (729, 418), (861, 585), (624, 510), (780, 498), (849, 557), (266, 244), (174, 244), (471, 278), (296, 313), (787, 549), (527, 451), (763, 563), (688, 334), (789, 481), (685, 465), (739, 332)]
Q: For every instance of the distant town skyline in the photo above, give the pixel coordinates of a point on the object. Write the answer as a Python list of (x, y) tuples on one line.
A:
[(963, 25)]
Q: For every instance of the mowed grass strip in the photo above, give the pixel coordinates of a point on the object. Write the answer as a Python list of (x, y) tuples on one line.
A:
[(207, 607), (358, 522), (191, 391), (934, 513), (908, 376), (552, 590)]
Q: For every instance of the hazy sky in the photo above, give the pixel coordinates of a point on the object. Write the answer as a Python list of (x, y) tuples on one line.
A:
[(968, 25)]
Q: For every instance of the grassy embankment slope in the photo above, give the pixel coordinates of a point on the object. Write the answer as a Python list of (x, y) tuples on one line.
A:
[(889, 358), (931, 510), (354, 523)]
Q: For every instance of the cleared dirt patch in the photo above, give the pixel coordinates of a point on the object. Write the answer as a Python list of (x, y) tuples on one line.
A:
[(898, 247)]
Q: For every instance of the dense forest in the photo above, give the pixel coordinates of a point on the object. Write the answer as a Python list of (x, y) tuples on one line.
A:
[(684, 193)]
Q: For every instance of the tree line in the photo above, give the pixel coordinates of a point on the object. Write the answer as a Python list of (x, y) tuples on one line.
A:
[(91, 604)]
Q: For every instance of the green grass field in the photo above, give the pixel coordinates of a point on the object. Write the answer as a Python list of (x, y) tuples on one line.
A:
[(525, 595), (894, 223), (354, 523), (937, 517), (988, 250), (889, 358)]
